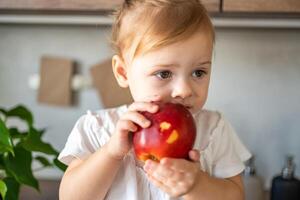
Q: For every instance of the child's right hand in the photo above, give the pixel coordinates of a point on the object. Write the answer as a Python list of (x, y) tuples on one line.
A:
[(120, 142)]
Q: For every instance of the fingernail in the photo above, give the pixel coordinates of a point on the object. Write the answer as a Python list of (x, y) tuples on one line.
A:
[(146, 123), (164, 161), (154, 108), (147, 165), (134, 129)]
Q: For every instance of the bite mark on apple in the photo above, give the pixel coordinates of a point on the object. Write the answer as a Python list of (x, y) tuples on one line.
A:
[(146, 156), (164, 126), (173, 137)]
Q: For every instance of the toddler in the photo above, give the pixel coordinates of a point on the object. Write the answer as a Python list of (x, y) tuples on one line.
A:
[(163, 54)]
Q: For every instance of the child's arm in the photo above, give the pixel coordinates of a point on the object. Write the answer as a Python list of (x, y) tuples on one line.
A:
[(179, 177), (214, 188), (93, 177)]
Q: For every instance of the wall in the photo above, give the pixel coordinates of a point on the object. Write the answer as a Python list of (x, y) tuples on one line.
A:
[(255, 83)]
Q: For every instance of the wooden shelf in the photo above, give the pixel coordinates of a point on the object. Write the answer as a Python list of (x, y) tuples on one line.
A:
[(265, 6), (234, 13), (76, 5), (212, 5), (59, 5)]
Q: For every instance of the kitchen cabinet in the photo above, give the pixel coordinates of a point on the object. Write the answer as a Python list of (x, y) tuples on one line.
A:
[(58, 5), (94, 6), (229, 13), (212, 5), (259, 6), (76, 5)]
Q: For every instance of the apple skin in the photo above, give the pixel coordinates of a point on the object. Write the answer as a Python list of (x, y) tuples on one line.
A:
[(171, 134)]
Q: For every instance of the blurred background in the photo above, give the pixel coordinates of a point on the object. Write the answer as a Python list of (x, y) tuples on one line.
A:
[(255, 79)]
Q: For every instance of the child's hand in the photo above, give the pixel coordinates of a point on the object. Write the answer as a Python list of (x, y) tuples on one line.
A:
[(174, 176), (120, 142)]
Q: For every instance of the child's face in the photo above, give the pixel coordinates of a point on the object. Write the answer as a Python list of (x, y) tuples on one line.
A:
[(177, 73)]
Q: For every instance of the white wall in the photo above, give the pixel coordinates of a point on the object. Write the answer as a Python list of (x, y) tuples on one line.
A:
[(255, 83)]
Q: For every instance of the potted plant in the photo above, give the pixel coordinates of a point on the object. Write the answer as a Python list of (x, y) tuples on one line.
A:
[(18, 150)]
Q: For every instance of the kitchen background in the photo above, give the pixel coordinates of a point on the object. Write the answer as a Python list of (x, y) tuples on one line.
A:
[(255, 83)]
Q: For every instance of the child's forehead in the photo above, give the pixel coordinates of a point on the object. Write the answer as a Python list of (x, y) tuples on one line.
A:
[(148, 61), (198, 46)]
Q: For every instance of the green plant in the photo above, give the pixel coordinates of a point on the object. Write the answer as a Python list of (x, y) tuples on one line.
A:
[(18, 150)]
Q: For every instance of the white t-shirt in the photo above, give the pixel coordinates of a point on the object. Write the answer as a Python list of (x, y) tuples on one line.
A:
[(222, 153)]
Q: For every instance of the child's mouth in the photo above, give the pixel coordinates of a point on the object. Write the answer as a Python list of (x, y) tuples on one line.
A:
[(188, 107)]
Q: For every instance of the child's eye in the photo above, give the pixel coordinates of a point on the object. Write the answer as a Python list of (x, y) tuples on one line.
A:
[(199, 73), (163, 74)]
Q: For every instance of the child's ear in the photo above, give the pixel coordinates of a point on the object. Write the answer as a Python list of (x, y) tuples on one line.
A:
[(119, 70)]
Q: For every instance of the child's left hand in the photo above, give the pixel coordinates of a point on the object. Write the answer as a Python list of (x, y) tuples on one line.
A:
[(174, 176)]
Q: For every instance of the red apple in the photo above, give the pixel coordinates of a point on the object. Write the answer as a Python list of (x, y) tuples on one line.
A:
[(171, 134)]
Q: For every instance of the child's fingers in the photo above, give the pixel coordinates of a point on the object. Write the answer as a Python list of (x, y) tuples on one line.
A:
[(150, 165), (143, 106), (159, 184), (161, 172), (136, 118), (194, 155), (153, 168), (173, 185), (126, 126), (180, 165)]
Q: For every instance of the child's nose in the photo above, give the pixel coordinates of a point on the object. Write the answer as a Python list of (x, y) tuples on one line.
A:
[(182, 89)]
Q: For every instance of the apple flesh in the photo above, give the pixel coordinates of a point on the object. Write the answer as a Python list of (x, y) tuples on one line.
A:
[(171, 134)]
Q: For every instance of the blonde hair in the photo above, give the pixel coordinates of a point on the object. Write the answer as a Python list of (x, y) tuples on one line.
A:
[(144, 25)]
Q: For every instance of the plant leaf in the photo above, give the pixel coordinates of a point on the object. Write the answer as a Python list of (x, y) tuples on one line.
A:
[(1, 162), (20, 167), (23, 113), (3, 111), (15, 133), (59, 164), (33, 142), (13, 189), (44, 161), (3, 189), (5, 141), (42, 131)]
